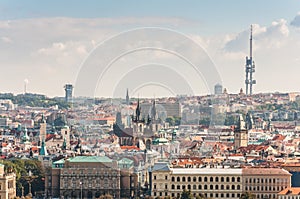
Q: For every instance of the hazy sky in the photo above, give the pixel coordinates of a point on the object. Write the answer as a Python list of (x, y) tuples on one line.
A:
[(105, 46)]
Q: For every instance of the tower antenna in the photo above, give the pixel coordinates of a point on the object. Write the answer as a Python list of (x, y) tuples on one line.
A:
[(250, 69)]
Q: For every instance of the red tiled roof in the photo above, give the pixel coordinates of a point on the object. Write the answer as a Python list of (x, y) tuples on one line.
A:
[(290, 191), (49, 137), (278, 137), (130, 148)]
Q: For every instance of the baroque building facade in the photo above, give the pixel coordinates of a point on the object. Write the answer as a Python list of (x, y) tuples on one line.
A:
[(89, 177), (218, 182)]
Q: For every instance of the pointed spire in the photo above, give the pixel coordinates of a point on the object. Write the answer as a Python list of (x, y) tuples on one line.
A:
[(153, 111), (25, 136), (241, 123), (127, 97), (43, 118), (43, 150), (64, 146), (138, 110)]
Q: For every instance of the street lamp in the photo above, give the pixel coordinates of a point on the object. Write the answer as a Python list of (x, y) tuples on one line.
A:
[(22, 190), (80, 189), (29, 183)]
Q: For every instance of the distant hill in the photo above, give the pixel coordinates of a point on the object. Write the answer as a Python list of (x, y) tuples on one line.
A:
[(34, 100)]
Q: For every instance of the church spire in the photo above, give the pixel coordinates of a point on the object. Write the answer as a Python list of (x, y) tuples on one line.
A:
[(127, 97), (43, 150), (138, 110), (153, 111)]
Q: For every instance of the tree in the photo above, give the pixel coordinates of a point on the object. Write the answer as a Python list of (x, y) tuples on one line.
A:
[(20, 168), (201, 196), (186, 194), (248, 195), (106, 196)]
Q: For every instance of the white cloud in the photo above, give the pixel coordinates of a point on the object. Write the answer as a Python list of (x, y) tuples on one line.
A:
[(6, 40), (4, 24), (50, 51), (272, 36)]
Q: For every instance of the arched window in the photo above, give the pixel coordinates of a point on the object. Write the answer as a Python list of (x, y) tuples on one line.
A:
[(199, 186), (222, 179), (233, 187), (211, 187), (238, 187), (232, 179), (194, 179), (227, 179), (183, 179), (194, 186), (222, 187), (178, 187), (217, 179), (199, 179), (189, 187), (217, 187), (205, 186), (189, 179), (227, 187), (238, 179), (173, 179), (173, 186), (178, 179), (211, 179), (205, 179)]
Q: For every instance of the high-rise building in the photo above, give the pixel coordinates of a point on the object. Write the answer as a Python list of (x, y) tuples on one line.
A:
[(218, 89), (68, 92)]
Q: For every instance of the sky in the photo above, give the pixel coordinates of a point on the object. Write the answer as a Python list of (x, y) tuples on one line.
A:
[(153, 48)]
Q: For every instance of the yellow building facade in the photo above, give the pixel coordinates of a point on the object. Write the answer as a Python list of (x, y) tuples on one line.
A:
[(7, 184)]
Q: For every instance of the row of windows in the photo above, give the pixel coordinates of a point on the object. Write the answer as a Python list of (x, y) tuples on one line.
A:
[(263, 196), (222, 195), (211, 187), (89, 177), (211, 195), (206, 179), (289, 197), (264, 188), (265, 180), (225, 179), (89, 184), (101, 171)]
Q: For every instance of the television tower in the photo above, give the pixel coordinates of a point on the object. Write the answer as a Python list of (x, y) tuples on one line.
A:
[(250, 69)]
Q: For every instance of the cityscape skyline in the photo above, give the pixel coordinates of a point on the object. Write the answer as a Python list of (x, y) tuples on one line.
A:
[(47, 60)]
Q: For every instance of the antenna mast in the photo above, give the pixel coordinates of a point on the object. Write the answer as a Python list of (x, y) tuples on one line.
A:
[(250, 69)]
